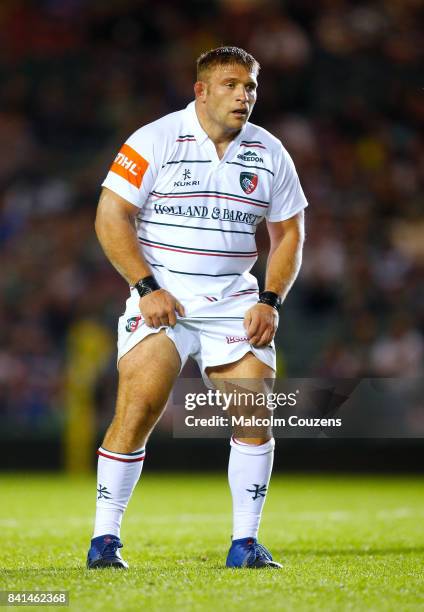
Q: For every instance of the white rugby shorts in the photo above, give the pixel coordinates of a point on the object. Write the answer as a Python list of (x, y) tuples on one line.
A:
[(212, 334)]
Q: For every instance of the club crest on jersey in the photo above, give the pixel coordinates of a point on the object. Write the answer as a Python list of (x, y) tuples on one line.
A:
[(248, 182), (133, 323)]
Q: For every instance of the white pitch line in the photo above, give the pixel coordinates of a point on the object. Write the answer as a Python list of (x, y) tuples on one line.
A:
[(50, 525)]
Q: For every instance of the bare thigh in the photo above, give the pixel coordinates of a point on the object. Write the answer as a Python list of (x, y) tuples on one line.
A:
[(247, 374), (146, 376)]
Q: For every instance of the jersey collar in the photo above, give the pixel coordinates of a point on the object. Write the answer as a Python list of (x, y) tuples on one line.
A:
[(194, 126)]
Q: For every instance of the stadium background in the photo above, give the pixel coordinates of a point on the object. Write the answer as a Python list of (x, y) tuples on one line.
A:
[(340, 85)]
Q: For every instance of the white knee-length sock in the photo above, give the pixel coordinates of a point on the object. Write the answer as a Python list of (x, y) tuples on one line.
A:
[(117, 475), (249, 472)]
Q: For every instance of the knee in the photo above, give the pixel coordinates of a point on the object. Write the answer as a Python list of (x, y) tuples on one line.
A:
[(136, 401), (138, 413), (133, 425)]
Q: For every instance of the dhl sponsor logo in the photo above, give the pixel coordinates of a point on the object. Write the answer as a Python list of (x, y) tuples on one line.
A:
[(130, 165)]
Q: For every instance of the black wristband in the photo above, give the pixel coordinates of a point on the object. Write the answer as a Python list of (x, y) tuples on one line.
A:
[(270, 298), (146, 285)]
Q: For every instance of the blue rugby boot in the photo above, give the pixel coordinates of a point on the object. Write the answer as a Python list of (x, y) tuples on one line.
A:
[(247, 552), (104, 553)]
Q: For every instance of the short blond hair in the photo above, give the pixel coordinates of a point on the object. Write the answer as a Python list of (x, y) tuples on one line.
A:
[(224, 56)]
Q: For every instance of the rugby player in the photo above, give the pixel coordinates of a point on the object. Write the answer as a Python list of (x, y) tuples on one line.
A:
[(177, 218)]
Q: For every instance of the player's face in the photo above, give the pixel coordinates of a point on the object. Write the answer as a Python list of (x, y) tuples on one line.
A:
[(229, 96)]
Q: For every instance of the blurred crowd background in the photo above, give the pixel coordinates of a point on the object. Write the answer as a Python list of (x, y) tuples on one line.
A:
[(340, 84)]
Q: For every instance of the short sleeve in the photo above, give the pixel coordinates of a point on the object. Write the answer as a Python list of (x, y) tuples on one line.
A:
[(133, 173), (287, 197)]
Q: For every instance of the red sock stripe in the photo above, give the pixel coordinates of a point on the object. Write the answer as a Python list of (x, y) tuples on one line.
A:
[(103, 454)]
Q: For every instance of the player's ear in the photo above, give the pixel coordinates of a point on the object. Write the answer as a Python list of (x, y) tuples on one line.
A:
[(200, 90)]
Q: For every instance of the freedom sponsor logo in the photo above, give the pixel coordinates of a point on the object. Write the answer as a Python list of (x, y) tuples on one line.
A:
[(248, 182), (250, 156)]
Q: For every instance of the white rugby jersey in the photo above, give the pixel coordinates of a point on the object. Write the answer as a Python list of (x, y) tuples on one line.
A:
[(198, 213)]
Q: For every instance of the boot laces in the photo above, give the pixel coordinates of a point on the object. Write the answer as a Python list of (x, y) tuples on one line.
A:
[(111, 547)]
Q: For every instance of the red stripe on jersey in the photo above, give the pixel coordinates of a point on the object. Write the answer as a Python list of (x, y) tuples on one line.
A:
[(155, 246), (119, 459), (252, 146), (239, 294)]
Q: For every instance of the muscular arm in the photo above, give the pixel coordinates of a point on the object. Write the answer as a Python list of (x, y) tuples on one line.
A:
[(115, 229), (285, 254), (284, 260)]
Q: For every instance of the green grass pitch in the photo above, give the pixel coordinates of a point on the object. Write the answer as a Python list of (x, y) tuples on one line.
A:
[(347, 543)]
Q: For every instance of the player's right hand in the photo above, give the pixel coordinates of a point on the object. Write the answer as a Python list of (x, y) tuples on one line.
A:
[(159, 308)]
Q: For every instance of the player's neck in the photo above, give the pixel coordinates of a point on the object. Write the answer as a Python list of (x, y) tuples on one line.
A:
[(219, 136)]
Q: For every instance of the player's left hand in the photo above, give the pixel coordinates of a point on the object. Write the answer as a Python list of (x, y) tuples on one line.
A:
[(260, 323)]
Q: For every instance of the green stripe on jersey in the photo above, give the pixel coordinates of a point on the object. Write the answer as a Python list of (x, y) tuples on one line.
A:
[(189, 161), (179, 246), (233, 195), (195, 227), (193, 273)]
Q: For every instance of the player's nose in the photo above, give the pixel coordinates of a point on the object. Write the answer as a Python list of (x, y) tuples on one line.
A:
[(242, 94)]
